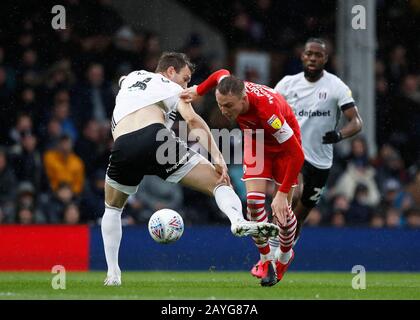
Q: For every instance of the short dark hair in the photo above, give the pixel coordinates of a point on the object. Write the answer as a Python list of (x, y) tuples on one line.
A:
[(177, 60), (317, 40), (231, 85)]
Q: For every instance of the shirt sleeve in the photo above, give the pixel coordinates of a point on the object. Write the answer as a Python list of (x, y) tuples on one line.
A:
[(272, 120), (344, 96), (281, 86), (212, 81), (293, 158)]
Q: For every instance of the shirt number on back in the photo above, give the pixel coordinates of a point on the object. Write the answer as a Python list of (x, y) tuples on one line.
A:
[(142, 85)]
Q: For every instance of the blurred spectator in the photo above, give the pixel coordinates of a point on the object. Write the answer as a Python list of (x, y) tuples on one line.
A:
[(412, 217), (153, 45), (26, 195), (61, 113), (405, 106), (338, 220), (23, 125), (8, 181), (28, 103), (314, 218), (27, 199), (414, 189), (377, 221), (358, 171), (27, 161), (2, 216), (89, 146), (25, 216), (393, 218), (93, 99), (6, 94), (92, 202), (359, 212), (395, 196), (389, 165), (63, 165), (71, 214), (194, 50), (383, 109), (52, 134), (59, 76), (124, 42), (340, 207), (54, 205), (294, 64), (397, 65), (29, 72)]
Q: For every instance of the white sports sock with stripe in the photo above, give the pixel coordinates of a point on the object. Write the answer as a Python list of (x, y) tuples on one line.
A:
[(112, 233), (229, 203)]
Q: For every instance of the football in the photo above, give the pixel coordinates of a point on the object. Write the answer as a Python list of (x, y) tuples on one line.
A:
[(166, 226)]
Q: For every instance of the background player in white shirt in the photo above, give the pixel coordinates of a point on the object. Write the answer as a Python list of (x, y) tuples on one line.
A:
[(318, 98), (141, 119)]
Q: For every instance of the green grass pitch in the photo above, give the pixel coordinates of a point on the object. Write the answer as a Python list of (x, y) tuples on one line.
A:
[(209, 285)]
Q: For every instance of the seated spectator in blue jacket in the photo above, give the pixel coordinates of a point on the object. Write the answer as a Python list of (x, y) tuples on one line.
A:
[(360, 212), (94, 98)]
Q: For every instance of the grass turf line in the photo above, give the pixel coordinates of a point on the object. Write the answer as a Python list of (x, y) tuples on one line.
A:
[(209, 285)]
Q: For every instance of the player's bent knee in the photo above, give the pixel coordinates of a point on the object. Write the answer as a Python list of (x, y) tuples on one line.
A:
[(204, 178), (114, 198)]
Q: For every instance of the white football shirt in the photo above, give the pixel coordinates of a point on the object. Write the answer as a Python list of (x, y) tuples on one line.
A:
[(140, 89), (317, 106)]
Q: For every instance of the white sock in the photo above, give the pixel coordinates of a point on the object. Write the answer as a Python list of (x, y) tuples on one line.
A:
[(229, 203), (274, 244), (266, 257), (283, 257), (111, 235)]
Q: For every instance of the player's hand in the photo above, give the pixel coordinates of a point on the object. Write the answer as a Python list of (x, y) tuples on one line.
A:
[(280, 208), (222, 170), (332, 137), (190, 94)]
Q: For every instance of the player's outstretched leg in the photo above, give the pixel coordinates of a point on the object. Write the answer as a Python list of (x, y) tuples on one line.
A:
[(112, 232), (203, 177)]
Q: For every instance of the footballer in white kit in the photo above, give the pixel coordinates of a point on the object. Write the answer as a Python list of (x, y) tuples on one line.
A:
[(318, 98), (145, 108)]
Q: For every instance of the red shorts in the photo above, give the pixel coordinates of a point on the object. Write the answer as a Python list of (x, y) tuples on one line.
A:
[(264, 165)]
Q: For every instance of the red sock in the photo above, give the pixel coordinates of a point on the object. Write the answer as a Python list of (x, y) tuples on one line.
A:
[(256, 212), (287, 233)]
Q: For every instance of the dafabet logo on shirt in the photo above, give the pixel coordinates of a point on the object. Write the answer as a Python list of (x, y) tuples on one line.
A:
[(275, 122)]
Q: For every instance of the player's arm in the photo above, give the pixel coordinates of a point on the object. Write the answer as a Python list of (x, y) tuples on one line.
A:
[(347, 105), (191, 93), (201, 131), (274, 122), (293, 158), (352, 127), (354, 124)]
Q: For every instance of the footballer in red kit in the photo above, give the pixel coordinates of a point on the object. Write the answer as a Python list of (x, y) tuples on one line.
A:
[(257, 107)]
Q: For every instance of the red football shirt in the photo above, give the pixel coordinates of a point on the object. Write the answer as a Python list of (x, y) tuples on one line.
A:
[(269, 111)]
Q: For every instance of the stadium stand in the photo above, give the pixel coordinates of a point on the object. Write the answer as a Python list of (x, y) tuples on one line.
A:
[(59, 86)]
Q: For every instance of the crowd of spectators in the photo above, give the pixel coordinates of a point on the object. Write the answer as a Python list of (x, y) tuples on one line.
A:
[(57, 91)]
